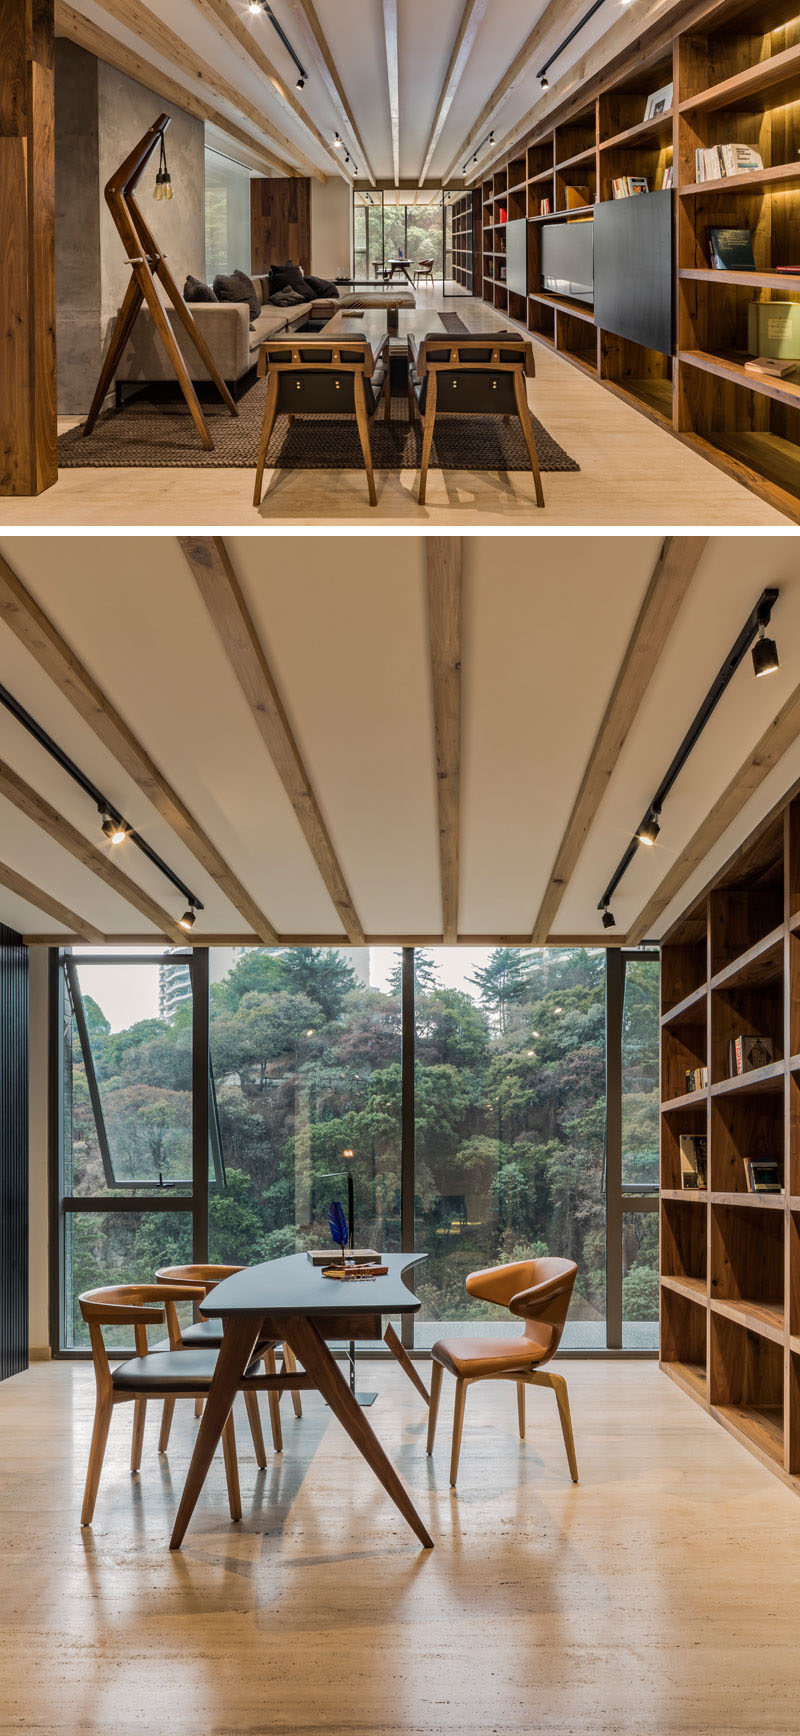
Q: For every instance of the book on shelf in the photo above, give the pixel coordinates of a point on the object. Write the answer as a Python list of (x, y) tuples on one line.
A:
[(668, 179), (773, 329), (762, 1177), (694, 1160), (544, 207), (730, 249), (747, 1052), (696, 1078), (771, 367), (625, 186), (722, 162)]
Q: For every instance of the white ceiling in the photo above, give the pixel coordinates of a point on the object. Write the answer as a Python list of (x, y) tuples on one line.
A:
[(354, 31), (343, 624)]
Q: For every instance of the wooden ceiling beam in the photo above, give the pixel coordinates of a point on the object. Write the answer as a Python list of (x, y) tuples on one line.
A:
[(138, 18), (20, 611), (219, 587), (227, 21), (780, 735), (674, 571), (48, 819), (393, 78), (471, 20), (91, 36), (71, 937), (444, 558), (559, 16), (305, 12), (48, 905)]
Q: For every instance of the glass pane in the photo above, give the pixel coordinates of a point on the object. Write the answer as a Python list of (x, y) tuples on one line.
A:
[(640, 1280), (305, 1046), (510, 1072), (640, 1073), (227, 215), (118, 1248), (138, 1018)]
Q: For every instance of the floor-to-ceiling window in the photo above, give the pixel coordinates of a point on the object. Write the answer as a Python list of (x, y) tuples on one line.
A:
[(227, 215), (501, 1056)]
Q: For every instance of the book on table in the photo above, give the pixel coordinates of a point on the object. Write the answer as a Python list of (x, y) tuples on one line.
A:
[(357, 1256)]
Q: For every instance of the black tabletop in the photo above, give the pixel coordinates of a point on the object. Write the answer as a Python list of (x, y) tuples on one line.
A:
[(294, 1286)]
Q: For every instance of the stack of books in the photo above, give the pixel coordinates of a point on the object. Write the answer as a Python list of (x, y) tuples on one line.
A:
[(748, 1052), (627, 185), (669, 178), (696, 1078), (720, 162)]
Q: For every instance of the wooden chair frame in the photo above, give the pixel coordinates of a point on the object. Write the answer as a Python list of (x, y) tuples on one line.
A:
[(209, 1277), (424, 269), (148, 264), (544, 1303), (458, 360), (361, 369), (140, 1306)]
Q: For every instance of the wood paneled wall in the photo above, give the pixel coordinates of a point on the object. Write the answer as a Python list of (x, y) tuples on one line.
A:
[(280, 222), (28, 450), (13, 1153)]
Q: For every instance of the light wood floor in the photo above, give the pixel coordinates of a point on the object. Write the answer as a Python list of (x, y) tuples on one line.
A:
[(632, 473), (658, 1595)]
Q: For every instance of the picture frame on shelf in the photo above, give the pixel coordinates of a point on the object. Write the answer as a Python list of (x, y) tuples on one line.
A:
[(659, 102), (694, 1161)]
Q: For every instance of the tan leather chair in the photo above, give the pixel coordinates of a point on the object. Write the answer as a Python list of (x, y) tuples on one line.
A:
[(539, 1291)]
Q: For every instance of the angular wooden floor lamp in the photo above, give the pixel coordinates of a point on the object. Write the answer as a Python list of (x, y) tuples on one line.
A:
[(147, 263)]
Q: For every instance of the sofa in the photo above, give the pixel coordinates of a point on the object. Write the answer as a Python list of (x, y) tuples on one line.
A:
[(232, 337)]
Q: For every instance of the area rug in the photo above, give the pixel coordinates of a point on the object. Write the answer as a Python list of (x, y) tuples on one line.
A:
[(158, 433), (454, 325)]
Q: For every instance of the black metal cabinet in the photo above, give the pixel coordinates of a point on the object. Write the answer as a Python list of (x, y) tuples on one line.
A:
[(633, 269)]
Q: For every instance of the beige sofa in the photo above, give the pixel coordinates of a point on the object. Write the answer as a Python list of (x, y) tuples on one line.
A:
[(232, 337)]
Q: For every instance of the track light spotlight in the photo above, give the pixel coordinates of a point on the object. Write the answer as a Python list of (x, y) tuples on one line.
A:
[(337, 143), (608, 920), (544, 81), (649, 829), (114, 830), (765, 654), (254, 7), (301, 83), (188, 919)]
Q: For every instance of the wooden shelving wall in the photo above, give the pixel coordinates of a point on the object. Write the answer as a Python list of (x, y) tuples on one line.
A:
[(735, 71), (730, 1259), (466, 241)]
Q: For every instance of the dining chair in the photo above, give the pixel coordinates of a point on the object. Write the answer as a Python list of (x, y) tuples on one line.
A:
[(207, 1334), (423, 271), (480, 374), (167, 1374), (539, 1291), (311, 375)]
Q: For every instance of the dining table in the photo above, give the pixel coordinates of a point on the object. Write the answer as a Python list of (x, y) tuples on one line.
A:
[(291, 1301)]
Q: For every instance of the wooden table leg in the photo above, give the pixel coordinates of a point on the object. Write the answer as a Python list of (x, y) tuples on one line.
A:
[(309, 1346), (238, 1343), (391, 1339)]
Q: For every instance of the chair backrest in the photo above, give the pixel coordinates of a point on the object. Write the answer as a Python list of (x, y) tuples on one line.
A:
[(539, 1291), (477, 351), (317, 373), (136, 1305), (208, 1276)]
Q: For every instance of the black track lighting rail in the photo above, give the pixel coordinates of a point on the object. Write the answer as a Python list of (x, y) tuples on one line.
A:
[(581, 25), (303, 75), (489, 140), (756, 621), (62, 758)]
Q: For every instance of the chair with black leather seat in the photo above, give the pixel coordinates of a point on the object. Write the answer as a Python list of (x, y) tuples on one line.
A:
[(150, 1374), (207, 1334), (317, 376), (539, 1292), (479, 374)]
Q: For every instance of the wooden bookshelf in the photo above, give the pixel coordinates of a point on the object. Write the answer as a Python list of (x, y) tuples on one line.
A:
[(467, 241), (730, 1259), (735, 71)]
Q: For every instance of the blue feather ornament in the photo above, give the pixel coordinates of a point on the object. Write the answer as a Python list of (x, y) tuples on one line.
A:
[(337, 1224)]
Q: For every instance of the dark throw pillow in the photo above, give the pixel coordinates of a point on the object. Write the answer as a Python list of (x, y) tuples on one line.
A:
[(194, 290), (323, 288), (238, 287), (286, 298), (289, 276)]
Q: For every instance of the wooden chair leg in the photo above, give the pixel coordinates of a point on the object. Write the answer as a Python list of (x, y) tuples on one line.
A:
[(458, 1421), (427, 437), (524, 414), (290, 1364), (139, 1414), (274, 1400), (254, 1419), (198, 1407), (97, 1452), (166, 1424), (270, 412), (559, 1385), (362, 424), (231, 1468), (521, 1408), (433, 1403)]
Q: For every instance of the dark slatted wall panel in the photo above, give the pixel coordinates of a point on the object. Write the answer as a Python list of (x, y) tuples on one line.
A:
[(13, 1153), (280, 223)]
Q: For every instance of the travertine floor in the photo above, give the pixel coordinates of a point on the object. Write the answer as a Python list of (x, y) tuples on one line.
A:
[(659, 1595)]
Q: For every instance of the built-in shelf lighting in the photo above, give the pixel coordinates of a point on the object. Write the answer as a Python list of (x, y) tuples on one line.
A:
[(765, 661)]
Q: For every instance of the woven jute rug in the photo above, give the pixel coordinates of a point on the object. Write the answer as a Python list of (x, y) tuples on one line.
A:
[(157, 433)]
